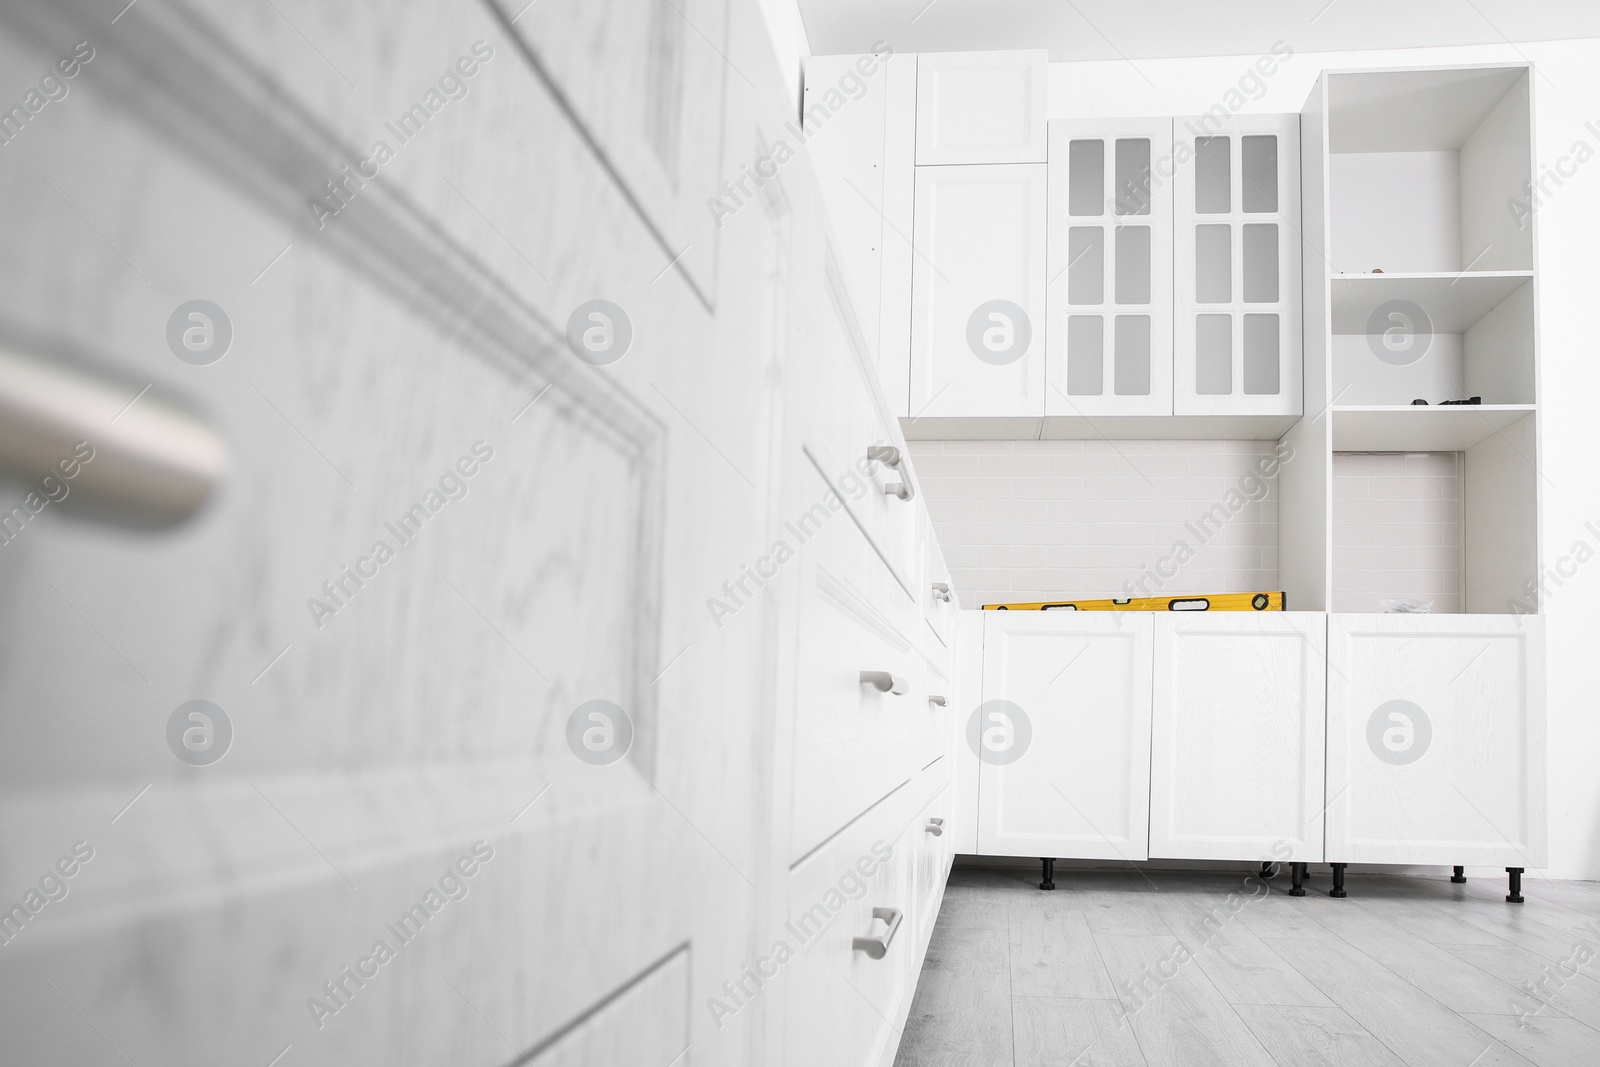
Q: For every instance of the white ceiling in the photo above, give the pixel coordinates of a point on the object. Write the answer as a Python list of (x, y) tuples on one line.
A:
[(1149, 29)]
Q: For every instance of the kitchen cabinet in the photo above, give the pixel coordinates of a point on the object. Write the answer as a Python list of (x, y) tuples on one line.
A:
[(1237, 265), (982, 107), (1109, 331), (1236, 764), (1063, 733), (977, 306), (1436, 739)]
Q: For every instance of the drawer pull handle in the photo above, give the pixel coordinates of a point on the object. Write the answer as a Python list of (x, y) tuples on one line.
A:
[(936, 827), (888, 455), (938, 701), (884, 682), (876, 947), (899, 489), (941, 591)]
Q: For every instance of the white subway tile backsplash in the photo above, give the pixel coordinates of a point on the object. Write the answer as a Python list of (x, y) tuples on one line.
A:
[(1059, 520), (1396, 530)]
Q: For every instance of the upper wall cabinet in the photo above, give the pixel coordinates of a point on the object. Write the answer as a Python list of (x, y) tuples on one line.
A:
[(1237, 298), (1109, 334), (977, 300), (981, 107)]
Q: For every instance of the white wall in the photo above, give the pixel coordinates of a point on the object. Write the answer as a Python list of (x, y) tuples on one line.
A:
[(1021, 521), (1566, 97)]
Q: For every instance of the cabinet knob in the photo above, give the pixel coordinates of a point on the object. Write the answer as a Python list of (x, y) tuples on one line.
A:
[(941, 591), (937, 701), (935, 827), (884, 682), (876, 947), (888, 455), (899, 489)]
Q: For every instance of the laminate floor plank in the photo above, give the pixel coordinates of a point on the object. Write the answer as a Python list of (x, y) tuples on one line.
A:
[(1417, 1028), (1053, 954), (1545, 1042), (1316, 1037), (1134, 968), (1179, 1017), (1058, 1032)]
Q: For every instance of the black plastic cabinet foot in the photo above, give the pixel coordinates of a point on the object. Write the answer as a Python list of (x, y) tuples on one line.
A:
[(1515, 896), (1049, 881), (1460, 876), (1338, 880), (1297, 875)]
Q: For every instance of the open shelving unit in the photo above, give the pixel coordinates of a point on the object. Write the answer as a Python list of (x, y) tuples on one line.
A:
[(1419, 284)]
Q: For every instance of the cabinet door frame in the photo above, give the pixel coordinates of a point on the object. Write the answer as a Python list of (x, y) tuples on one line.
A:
[(947, 377), (1355, 775), (1031, 106), (1288, 741), (1289, 399), (1094, 841), (1059, 400)]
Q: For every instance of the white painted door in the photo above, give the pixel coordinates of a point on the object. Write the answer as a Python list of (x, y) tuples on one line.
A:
[(982, 107), (1109, 335), (1064, 735), (1237, 736), (1237, 265), (1436, 739), (977, 344)]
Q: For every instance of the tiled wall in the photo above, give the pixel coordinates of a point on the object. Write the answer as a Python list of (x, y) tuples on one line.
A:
[(1396, 529), (1052, 520)]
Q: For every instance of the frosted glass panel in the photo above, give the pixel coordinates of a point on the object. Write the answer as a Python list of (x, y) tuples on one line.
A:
[(1258, 156), (1086, 178), (1213, 263), (1133, 265), (1085, 355), (1212, 158), (1261, 355), (1261, 263), (1131, 368), (1133, 176), (1213, 355), (1086, 274)]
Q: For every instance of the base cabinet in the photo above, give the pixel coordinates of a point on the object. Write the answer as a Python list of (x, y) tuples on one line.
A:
[(1063, 733), (1436, 740), (1236, 762)]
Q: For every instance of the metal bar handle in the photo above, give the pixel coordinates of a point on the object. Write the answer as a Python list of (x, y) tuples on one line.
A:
[(937, 701), (936, 827), (888, 455), (902, 490), (876, 947), (941, 591), (884, 682)]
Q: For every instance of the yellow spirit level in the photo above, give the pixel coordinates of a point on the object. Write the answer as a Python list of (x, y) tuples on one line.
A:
[(1214, 602)]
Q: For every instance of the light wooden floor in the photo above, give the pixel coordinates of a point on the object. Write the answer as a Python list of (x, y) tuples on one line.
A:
[(1169, 970)]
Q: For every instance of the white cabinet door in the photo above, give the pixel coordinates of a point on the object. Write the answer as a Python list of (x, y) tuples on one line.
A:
[(1109, 335), (1436, 739), (1064, 732), (862, 152), (982, 107), (977, 345), (1237, 736), (1237, 268)]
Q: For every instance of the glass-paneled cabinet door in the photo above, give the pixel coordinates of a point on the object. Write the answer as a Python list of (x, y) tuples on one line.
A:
[(1109, 253), (1237, 264)]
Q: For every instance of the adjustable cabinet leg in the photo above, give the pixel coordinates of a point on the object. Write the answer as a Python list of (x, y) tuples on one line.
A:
[(1515, 896), (1338, 880), (1268, 870), (1460, 875), (1049, 874), (1297, 872)]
